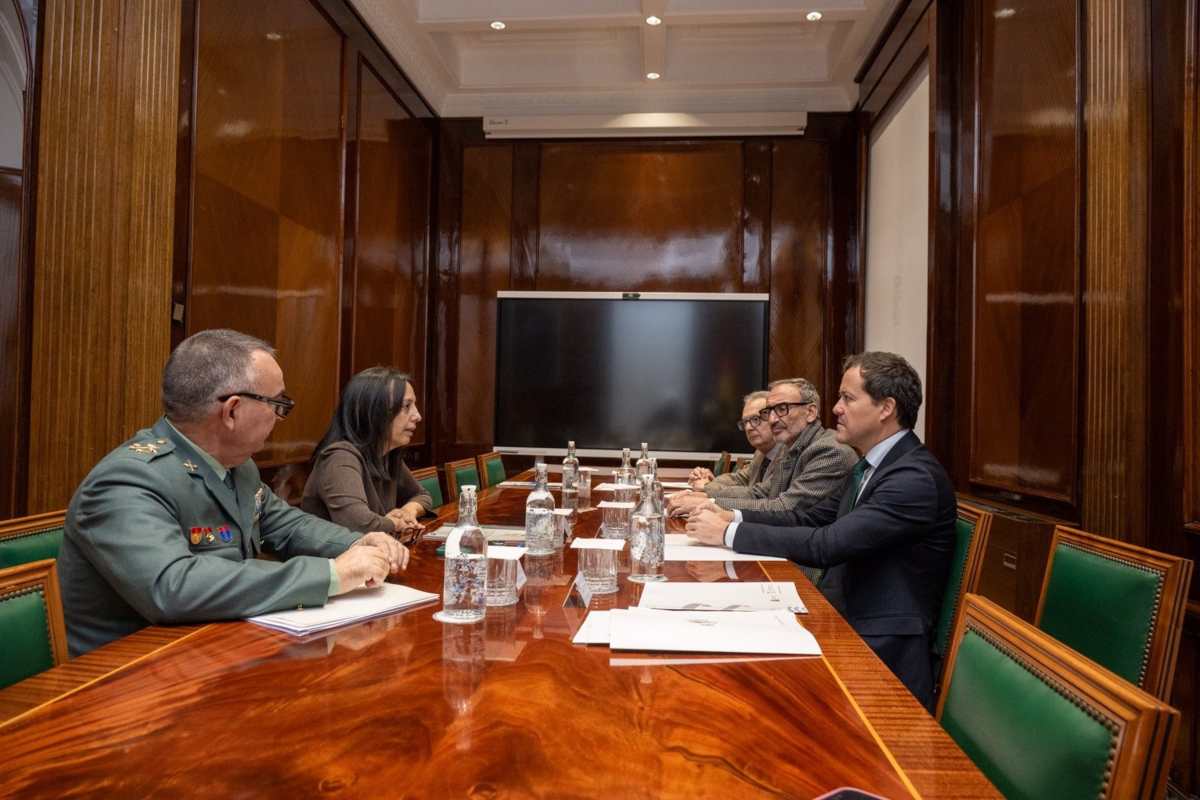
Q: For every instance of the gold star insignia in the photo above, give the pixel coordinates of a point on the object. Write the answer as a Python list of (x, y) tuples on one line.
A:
[(189, 466), (144, 448)]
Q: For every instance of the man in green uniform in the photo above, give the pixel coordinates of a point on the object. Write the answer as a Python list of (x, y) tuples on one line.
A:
[(165, 529)]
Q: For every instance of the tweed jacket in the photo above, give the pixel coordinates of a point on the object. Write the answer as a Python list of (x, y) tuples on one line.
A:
[(755, 471), (811, 468)]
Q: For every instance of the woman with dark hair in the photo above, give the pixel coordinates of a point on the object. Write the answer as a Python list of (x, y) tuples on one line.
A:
[(359, 479)]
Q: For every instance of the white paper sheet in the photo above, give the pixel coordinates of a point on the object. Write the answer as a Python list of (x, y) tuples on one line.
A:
[(703, 553), (594, 629), (675, 484), (745, 596), (614, 504), (344, 609), (710, 632), (609, 487), (493, 533), (527, 484)]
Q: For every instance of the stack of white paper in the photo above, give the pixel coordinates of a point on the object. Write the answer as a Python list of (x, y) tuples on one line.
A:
[(493, 533), (764, 632), (681, 547), (527, 484), (748, 596), (345, 609)]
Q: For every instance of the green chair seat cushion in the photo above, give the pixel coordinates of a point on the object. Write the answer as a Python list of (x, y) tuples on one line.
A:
[(495, 471), (434, 488), (1027, 738), (466, 476), (1102, 608), (26, 636), (33, 547), (964, 533)]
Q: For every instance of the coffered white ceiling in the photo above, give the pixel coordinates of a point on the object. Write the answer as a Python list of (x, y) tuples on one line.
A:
[(592, 56)]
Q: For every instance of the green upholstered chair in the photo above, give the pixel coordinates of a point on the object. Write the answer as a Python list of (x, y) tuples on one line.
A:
[(720, 464), (971, 537), (1041, 721), (491, 469), (27, 539), (460, 473), (1118, 604), (428, 478), (31, 621)]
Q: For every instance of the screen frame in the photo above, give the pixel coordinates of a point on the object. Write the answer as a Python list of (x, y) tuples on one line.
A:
[(755, 297)]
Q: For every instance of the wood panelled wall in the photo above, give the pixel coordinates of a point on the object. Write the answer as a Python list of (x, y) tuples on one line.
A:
[(310, 181), (211, 163), (720, 215), (1063, 294), (102, 274)]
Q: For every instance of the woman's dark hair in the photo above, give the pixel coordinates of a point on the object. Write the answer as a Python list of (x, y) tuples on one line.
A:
[(370, 401)]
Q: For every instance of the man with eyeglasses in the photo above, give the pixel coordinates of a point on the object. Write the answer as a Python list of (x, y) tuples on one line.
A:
[(885, 539), (758, 435), (167, 527), (809, 464)]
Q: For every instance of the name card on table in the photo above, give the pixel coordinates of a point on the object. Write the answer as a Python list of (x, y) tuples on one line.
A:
[(598, 544)]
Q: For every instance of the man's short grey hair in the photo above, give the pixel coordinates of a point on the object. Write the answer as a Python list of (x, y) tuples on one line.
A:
[(761, 394), (205, 366), (808, 392)]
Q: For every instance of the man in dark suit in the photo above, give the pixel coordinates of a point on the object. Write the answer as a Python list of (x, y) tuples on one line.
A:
[(885, 539)]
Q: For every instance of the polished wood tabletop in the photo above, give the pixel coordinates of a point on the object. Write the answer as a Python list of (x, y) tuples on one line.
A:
[(404, 706)]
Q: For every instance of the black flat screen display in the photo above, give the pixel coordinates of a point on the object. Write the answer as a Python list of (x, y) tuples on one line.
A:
[(610, 373)]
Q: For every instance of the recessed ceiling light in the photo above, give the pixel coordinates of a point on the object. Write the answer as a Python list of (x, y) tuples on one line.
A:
[(1005, 13), (653, 20), (653, 76), (813, 16), (498, 25), (273, 36)]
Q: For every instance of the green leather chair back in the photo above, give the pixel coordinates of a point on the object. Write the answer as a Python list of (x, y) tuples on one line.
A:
[(964, 533), (1102, 607), (30, 546), (25, 631), (466, 476), (1025, 734), (495, 471), (432, 485)]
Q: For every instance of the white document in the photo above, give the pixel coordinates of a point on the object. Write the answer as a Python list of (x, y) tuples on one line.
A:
[(493, 533), (614, 504), (748, 596), (675, 484), (710, 632), (609, 487), (594, 629), (597, 544), (344, 609), (515, 485), (701, 552)]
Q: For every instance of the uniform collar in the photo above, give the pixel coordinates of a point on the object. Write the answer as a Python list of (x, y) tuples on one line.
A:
[(216, 466)]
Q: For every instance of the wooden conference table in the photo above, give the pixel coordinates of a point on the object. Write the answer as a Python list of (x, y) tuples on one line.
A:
[(403, 706)]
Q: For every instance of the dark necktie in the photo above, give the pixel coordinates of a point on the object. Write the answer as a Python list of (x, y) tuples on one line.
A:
[(856, 480)]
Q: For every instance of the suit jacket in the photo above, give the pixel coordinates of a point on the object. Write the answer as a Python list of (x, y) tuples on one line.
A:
[(812, 467), (887, 559), (757, 470), (340, 489), (154, 536)]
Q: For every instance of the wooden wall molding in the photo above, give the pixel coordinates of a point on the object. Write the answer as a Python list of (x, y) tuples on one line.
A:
[(1116, 115), (1191, 269), (102, 276)]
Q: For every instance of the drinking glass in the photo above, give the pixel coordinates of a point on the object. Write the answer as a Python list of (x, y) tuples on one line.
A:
[(599, 568), (583, 487), (501, 581)]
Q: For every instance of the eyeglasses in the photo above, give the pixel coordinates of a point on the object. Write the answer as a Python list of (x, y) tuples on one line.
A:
[(781, 410), (282, 405), (750, 422)]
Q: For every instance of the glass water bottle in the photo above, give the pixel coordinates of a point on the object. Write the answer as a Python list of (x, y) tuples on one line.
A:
[(464, 581), (647, 537), (539, 517)]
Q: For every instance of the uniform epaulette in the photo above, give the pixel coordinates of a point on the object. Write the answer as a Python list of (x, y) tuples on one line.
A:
[(150, 449)]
